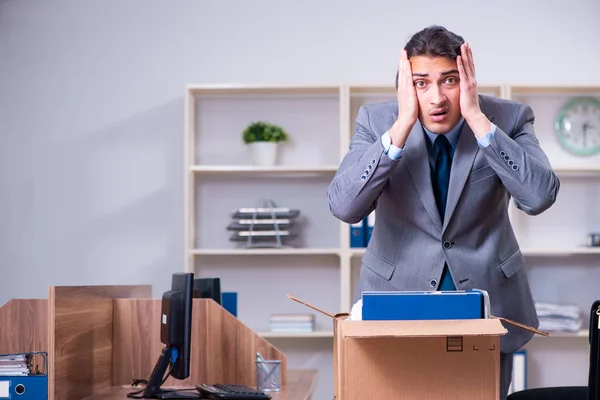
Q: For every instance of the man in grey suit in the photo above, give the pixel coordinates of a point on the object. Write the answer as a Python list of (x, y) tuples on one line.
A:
[(439, 166)]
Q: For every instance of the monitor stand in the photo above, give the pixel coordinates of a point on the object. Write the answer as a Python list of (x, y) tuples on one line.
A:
[(153, 389)]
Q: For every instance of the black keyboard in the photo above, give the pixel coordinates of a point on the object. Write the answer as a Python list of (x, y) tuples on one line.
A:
[(222, 391)]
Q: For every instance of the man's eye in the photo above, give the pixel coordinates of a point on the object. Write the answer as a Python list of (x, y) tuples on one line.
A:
[(420, 84), (451, 80)]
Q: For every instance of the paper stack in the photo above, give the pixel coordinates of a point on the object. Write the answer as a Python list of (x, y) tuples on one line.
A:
[(292, 323), (558, 317), (14, 365)]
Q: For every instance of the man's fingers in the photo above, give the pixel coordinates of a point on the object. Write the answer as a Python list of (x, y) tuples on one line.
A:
[(464, 52), (471, 61), (400, 63), (404, 68), (469, 67), (461, 69)]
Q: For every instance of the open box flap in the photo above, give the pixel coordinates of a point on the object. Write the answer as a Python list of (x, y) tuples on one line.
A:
[(422, 328), (391, 334), (522, 326), (332, 316)]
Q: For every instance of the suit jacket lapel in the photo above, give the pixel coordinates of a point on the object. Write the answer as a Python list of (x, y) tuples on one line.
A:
[(464, 156), (417, 162)]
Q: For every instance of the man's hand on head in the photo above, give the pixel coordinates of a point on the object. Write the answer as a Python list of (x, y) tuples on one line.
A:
[(408, 105), (469, 100)]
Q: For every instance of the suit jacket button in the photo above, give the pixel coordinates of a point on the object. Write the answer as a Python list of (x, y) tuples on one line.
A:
[(447, 245), (433, 283)]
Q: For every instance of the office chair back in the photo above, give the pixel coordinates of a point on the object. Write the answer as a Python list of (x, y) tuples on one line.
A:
[(593, 384)]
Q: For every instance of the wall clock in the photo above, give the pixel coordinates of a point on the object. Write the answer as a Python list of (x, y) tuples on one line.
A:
[(577, 126)]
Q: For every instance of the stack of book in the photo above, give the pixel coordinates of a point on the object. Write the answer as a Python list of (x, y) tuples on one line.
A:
[(292, 323), (262, 226)]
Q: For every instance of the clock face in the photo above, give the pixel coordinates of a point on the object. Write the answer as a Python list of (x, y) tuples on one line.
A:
[(578, 126)]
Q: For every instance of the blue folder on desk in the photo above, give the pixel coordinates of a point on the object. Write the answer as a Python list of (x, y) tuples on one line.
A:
[(24, 376), (410, 305)]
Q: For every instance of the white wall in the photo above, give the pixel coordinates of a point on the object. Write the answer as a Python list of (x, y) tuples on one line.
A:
[(91, 105)]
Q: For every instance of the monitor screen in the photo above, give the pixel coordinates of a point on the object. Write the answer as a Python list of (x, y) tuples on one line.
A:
[(180, 326), (208, 288), (175, 334)]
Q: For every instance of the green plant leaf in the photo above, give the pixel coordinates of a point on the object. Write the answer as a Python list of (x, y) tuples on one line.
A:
[(264, 132)]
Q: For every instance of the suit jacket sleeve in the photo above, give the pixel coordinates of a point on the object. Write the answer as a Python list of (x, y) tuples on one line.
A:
[(522, 165), (362, 175)]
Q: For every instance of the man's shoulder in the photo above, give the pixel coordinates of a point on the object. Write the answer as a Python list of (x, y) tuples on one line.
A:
[(380, 109), (497, 106)]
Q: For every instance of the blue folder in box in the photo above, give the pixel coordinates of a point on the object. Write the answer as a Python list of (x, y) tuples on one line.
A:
[(410, 305)]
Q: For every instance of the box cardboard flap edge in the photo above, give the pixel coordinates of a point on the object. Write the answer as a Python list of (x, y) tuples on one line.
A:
[(421, 328)]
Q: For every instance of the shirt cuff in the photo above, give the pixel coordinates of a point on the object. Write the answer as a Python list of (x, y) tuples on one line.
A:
[(393, 152), (487, 139)]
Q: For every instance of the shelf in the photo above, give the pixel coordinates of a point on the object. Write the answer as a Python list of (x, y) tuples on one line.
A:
[(390, 90), (297, 335), (577, 172), (565, 335), (259, 89), (572, 251), (266, 170), (266, 252), (531, 251), (556, 89), (357, 251)]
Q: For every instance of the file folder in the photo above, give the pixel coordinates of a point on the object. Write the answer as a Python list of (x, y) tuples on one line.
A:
[(24, 376), (419, 305), (357, 234)]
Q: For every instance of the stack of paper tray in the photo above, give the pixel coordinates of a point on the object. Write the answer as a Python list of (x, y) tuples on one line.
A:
[(262, 226)]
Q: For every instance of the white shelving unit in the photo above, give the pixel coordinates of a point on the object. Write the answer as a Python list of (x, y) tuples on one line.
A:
[(323, 269)]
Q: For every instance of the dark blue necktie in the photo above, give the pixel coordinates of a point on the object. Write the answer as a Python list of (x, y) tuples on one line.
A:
[(442, 153), (441, 174)]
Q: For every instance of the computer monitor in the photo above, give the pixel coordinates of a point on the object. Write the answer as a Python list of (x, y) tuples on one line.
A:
[(208, 288), (175, 334)]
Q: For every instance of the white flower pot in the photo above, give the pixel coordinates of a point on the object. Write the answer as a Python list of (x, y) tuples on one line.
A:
[(264, 153)]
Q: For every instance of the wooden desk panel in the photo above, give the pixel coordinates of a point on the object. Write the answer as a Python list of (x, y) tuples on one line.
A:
[(80, 338), (301, 385), (222, 350)]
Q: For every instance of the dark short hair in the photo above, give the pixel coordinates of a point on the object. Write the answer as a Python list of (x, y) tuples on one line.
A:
[(433, 41)]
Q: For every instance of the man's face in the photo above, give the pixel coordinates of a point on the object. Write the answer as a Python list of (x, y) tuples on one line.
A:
[(438, 92)]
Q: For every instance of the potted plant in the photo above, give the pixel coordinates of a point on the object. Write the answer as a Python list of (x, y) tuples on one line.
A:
[(263, 139)]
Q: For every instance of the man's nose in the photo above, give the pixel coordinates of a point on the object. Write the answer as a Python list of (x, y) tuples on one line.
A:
[(437, 95)]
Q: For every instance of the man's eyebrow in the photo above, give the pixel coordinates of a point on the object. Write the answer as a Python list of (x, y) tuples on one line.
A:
[(452, 71), (423, 75)]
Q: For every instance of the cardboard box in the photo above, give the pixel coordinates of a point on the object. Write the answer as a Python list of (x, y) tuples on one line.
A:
[(437, 359)]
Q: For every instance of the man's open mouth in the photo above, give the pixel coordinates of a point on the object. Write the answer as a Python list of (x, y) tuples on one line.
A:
[(439, 112)]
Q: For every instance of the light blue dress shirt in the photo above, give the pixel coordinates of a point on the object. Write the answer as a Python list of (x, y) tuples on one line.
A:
[(395, 153)]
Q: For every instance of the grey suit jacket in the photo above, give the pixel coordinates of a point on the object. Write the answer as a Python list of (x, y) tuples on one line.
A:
[(410, 244)]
